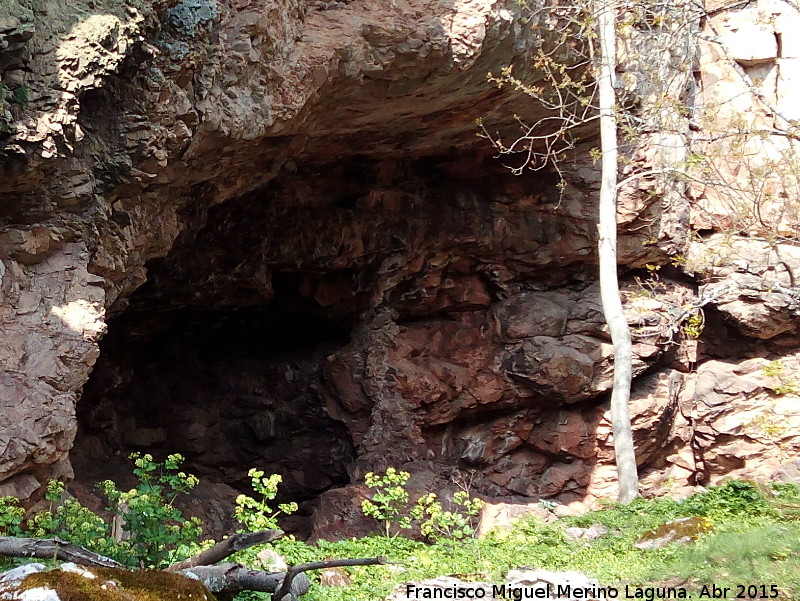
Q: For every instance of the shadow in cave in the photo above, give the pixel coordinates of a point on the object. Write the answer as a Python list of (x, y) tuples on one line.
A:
[(230, 389)]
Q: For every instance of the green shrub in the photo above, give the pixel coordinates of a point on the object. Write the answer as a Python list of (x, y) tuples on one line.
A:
[(11, 517), (389, 502), (256, 514), (68, 520), (733, 498), (158, 533), (438, 524)]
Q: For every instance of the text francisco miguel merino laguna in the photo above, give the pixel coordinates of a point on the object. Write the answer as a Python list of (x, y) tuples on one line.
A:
[(548, 591)]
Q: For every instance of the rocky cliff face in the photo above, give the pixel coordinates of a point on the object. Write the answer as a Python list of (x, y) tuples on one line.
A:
[(298, 254)]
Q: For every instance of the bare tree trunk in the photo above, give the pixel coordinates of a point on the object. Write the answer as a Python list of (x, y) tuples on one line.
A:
[(627, 475)]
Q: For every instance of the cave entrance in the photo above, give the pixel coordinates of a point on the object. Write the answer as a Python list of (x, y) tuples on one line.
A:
[(230, 389)]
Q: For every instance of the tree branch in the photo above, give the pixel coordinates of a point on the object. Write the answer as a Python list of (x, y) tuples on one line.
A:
[(11, 546), (294, 571), (228, 579), (224, 580), (226, 548)]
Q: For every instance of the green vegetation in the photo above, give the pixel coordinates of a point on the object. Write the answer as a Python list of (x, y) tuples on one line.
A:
[(146, 529), (18, 96), (744, 533), (158, 533), (11, 517), (786, 383), (437, 524), (750, 535), (256, 514), (389, 502)]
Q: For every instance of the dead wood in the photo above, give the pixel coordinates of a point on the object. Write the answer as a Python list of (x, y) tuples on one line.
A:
[(11, 546), (223, 580), (227, 579), (225, 548)]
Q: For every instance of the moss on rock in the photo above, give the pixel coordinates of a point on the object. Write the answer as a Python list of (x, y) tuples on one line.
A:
[(682, 530), (113, 584)]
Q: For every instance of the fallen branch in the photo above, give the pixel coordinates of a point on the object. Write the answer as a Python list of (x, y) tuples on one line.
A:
[(225, 548), (11, 546), (228, 579), (295, 571)]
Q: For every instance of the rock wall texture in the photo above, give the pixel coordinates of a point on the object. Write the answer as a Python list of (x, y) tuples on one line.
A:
[(305, 259)]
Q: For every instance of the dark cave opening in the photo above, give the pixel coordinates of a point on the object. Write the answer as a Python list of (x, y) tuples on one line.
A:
[(239, 344), (229, 389)]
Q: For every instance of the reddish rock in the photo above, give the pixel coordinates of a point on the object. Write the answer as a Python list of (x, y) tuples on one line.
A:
[(339, 515), (312, 265)]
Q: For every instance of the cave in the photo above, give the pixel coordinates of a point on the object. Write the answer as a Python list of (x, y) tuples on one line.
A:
[(229, 389), (220, 355), (252, 341)]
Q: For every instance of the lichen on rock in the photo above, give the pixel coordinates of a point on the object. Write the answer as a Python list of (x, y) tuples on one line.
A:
[(186, 16)]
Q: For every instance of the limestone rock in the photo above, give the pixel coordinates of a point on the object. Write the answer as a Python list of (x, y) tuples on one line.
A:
[(335, 577), (590, 533), (502, 516), (752, 283), (271, 561), (536, 580)]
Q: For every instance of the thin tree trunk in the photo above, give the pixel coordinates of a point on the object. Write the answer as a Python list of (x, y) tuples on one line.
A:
[(627, 475)]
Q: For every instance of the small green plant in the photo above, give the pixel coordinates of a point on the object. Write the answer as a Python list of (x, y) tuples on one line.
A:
[(11, 516), (786, 384), (21, 96), (438, 524), (773, 369), (157, 532), (694, 324), (67, 519), (256, 514), (389, 502)]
